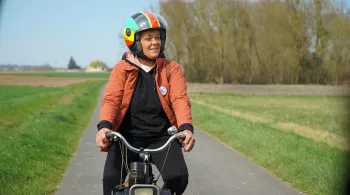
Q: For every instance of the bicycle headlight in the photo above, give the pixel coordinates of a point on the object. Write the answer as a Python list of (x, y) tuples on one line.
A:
[(144, 189)]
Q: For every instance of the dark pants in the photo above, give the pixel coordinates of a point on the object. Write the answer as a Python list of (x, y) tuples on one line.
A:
[(174, 173)]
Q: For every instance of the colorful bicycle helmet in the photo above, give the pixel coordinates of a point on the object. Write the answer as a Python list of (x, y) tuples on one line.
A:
[(140, 22)]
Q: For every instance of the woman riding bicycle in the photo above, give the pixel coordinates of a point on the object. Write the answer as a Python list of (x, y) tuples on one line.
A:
[(145, 95)]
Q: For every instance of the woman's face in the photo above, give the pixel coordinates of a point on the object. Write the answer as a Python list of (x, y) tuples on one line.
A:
[(150, 41)]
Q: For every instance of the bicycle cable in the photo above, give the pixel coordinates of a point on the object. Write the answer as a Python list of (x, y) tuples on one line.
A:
[(123, 161), (155, 181)]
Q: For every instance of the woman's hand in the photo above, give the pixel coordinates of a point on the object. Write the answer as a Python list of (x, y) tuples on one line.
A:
[(189, 141), (101, 139)]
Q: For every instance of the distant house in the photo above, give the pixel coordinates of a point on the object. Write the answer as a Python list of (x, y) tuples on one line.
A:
[(100, 67)]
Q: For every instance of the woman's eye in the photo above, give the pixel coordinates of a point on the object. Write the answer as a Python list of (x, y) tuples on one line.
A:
[(150, 39)]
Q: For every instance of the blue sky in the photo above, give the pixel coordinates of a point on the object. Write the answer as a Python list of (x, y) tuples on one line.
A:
[(34, 32)]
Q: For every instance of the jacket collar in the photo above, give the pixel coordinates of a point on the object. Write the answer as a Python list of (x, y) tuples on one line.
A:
[(133, 60)]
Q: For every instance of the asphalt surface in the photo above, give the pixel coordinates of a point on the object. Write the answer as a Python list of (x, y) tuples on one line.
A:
[(213, 167)]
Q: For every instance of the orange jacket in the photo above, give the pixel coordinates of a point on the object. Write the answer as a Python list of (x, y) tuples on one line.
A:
[(122, 81)]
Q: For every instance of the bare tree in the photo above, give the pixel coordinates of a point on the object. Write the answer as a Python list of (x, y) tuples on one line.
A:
[(265, 41)]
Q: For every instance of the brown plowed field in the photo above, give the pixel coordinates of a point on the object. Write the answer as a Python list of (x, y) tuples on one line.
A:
[(41, 81), (193, 87)]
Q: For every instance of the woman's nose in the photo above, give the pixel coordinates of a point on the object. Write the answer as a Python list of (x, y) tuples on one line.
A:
[(154, 41)]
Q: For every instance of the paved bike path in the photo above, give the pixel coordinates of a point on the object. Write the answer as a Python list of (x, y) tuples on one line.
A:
[(213, 167)]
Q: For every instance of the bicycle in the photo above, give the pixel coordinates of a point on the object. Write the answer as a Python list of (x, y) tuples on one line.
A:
[(141, 180)]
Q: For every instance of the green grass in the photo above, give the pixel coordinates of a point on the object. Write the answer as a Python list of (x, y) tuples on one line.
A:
[(311, 166), (35, 149), (63, 74), (13, 92), (326, 113)]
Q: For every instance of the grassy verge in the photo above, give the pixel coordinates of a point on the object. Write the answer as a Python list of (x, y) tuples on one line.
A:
[(62, 74), (19, 104), (321, 118), (311, 166), (36, 149)]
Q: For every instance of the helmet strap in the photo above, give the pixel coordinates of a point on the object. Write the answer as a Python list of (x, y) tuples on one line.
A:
[(142, 56)]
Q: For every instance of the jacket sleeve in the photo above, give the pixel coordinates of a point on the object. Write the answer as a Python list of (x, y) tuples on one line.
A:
[(179, 98), (112, 97)]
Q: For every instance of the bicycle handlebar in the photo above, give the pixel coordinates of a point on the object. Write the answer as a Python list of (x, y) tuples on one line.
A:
[(113, 134)]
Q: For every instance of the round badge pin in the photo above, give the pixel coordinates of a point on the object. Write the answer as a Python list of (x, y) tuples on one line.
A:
[(162, 90)]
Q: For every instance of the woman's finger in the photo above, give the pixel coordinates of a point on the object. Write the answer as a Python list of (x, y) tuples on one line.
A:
[(101, 137), (190, 145)]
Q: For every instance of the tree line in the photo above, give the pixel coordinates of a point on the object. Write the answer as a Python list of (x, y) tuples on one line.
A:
[(260, 41)]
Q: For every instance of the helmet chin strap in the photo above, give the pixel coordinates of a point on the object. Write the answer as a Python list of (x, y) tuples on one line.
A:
[(142, 56)]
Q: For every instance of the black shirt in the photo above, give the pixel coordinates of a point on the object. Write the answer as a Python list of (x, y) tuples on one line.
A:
[(145, 118)]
